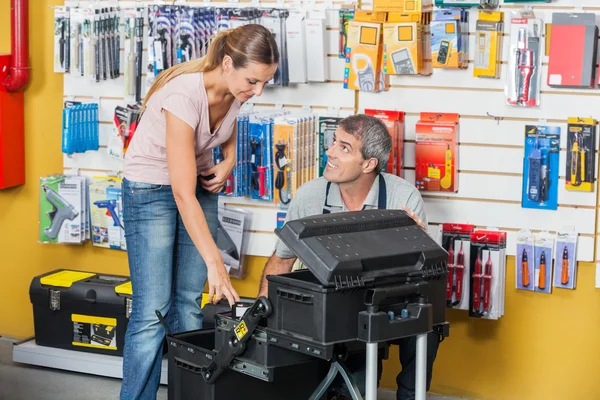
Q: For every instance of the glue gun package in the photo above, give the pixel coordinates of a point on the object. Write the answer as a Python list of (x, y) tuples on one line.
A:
[(544, 245), (63, 210), (524, 261), (106, 207), (488, 271), (566, 251), (456, 240)]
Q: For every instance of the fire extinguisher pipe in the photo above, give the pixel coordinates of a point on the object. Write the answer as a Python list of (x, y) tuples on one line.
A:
[(18, 74)]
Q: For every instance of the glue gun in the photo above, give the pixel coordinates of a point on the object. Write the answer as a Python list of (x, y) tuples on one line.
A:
[(110, 205), (61, 210)]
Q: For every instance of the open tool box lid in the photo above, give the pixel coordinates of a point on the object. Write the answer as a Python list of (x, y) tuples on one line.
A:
[(353, 248)]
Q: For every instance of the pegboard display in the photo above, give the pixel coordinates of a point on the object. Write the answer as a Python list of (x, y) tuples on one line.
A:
[(490, 141)]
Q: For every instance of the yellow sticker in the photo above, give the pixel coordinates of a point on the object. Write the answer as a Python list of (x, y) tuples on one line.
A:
[(241, 330), (64, 278), (433, 173), (124, 288)]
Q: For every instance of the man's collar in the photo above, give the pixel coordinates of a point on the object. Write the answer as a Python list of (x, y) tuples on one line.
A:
[(335, 195)]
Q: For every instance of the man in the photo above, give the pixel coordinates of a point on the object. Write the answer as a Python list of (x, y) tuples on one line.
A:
[(353, 181)]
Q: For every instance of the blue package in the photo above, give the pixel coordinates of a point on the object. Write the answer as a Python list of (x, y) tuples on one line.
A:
[(540, 167)]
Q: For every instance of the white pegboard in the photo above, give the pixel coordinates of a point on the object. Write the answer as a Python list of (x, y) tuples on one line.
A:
[(491, 149)]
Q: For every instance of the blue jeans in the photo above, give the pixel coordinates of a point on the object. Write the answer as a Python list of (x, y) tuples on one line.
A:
[(167, 274), (405, 379)]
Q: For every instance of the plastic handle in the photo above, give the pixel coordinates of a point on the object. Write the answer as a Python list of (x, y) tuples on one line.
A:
[(188, 366)]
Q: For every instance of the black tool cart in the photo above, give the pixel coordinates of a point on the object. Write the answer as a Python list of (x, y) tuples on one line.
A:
[(373, 277)]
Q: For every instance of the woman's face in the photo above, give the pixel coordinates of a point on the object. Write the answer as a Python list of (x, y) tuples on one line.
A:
[(245, 83)]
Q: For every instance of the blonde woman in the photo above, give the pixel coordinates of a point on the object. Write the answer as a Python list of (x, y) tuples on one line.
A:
[(170, 191)]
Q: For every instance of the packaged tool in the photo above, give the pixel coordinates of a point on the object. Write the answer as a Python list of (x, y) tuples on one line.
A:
[(133, 35), (488, 44), (524, 78), (392, 120), (403, 44), (581, 154), (274, 20), (231, 239), (449, 38), (62, 209), (544, 246), (80, 127), (456, 240), (436, 152), (540, 167), (286, 137), (184, 34), (296, 40), (573, 49), (125, 121), (327, 128), (525, 266), (403, 6), (488, 273), (76, 41), (236, 184), (364, 54), (346, 15), (160, 43), (66, 317), (106, 208), (61, 39), (316, 47), (484, 4), (566, 256)]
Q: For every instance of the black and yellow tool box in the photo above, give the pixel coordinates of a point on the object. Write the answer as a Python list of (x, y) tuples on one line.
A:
[(83, 311)]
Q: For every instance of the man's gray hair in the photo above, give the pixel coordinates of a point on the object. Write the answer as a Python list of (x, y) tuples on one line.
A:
[(376, 141)]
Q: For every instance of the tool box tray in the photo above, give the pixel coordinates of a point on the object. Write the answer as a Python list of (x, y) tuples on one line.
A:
[(189, 352)]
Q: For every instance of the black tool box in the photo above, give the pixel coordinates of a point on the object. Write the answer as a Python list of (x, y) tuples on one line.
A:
[(82, 311), (354, 258)]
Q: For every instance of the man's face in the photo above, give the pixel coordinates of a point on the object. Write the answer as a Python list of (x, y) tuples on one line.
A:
[(345, 162)]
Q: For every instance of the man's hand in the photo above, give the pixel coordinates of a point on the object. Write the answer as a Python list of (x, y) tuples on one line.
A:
[(416, 218)]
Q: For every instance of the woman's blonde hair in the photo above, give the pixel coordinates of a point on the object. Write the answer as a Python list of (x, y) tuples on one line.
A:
[(244, 44)]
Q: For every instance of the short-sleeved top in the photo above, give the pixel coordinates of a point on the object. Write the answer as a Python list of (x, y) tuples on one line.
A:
[(185, 97), (310, 200)]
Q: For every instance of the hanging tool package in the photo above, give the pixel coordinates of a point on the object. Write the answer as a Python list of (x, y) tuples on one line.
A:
[(293, 344), (581, 154)]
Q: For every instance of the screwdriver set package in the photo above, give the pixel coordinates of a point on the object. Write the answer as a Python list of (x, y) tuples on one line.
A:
[(573, 49), (524, 77), (489, 34), (456, 240), (544, 246), (327, 128), (540, 167), (450, 38), (63, 212), (436, 152), (488, 273), (525, 255), (565, 277), (394, 121), (80, 127), (581, 154)]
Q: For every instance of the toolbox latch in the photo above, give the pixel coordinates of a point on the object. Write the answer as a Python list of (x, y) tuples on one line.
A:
[(54, 300), (128, 307)]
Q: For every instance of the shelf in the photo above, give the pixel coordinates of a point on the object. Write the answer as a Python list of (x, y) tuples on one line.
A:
[(28, 352)]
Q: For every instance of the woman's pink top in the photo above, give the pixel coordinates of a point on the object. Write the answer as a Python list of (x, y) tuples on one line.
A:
[(185, 97)]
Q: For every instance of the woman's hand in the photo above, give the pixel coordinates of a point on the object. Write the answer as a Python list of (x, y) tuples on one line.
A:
[(220, 173), (219, 284)]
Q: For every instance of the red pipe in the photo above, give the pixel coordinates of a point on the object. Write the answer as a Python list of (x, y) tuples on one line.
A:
[(18, 73)]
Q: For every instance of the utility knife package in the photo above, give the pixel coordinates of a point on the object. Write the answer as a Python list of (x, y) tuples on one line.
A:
[(540, 167), (525, 62), (565, 277), (456, 240), (231, 241), (488, 272), (581, 154)]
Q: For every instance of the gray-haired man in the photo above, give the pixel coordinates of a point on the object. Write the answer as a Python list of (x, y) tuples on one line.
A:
[(353, 181)]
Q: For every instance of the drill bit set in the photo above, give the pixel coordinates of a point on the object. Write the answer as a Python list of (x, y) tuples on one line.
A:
[(540, 167), (525, 63)]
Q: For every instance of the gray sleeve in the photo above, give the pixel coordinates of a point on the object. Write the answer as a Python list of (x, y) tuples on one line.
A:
[(415, 204), (293, 212)]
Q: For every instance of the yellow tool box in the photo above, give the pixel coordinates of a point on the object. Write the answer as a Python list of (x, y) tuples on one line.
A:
[(83, 311)]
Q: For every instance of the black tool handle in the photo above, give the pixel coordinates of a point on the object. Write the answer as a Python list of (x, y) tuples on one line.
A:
[(236, 343)]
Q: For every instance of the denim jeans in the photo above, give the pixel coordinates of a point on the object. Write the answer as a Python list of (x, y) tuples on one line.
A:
[(405, 379), (167, 274)]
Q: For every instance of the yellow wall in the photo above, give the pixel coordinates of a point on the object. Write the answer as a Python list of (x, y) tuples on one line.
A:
[(544, 348)]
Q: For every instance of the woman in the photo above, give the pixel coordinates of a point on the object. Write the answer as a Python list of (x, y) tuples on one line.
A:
[(170, 191)]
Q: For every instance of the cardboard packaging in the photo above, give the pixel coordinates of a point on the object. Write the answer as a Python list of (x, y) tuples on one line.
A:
[(403, 6), (581, 154), (449, 38), (436, 152), (488, 44), (403, 44), (573, 48), (393, 121)]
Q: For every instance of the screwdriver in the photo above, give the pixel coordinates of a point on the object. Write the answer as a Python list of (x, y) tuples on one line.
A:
[(565, 267), (524, 269), (487, 284), (477, 283), (459, 272), (450, 282), (542, 278)]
